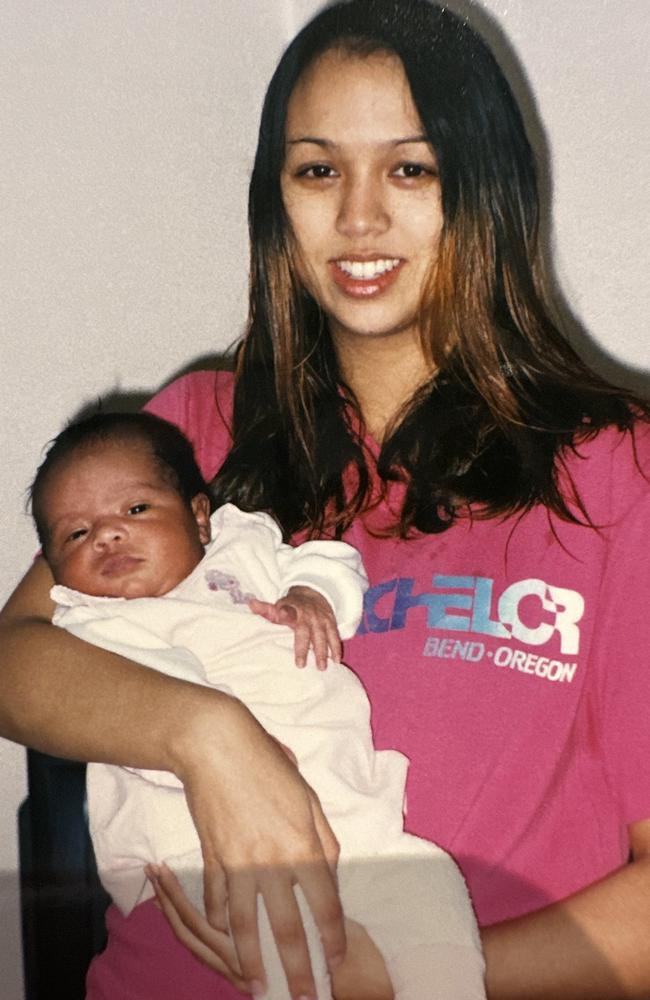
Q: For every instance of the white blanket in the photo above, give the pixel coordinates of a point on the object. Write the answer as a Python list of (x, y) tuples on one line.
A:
[(407, 892)]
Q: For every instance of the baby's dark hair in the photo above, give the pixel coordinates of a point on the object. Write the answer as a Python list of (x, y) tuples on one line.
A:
[(169, 446)]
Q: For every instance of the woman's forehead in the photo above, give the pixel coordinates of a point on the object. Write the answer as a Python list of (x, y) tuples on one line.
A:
[(343, 95)]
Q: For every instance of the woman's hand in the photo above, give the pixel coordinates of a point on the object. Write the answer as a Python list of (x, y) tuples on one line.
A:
[(311, 617), (362, 976), (213, 947), (262, 831)]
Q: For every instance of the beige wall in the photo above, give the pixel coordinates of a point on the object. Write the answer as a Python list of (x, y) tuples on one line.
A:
[(127, 134)]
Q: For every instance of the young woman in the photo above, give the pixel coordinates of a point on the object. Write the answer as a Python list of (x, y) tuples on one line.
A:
[(402, 385)]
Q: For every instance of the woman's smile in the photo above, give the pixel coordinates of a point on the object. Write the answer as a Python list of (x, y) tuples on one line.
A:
[(364, 278), (361, 190)]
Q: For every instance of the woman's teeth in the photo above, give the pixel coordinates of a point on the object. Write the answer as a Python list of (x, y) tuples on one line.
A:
[(364, 270)]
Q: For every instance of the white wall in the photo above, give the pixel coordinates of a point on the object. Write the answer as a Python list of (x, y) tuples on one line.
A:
[(127, 134)]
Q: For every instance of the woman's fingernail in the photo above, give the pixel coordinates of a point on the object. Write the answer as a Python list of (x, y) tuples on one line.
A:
[(152, 871), (256, 988)]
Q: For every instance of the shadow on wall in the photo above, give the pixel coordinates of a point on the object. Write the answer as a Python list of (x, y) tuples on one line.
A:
[(626, 376), (119, 401)]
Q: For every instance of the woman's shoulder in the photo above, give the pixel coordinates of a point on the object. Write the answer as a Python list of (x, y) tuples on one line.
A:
[(200, 404), (611, 470)]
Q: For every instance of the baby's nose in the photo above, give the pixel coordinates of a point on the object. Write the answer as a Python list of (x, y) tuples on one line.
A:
[(110, 530)]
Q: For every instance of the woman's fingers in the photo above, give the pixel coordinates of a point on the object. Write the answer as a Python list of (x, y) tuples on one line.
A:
[(363, 973), (242, 911), (329, 843), (215, 897), (212, 947), (319, 886), (322, 893), (289, 933), (256, 816), (275, 886)]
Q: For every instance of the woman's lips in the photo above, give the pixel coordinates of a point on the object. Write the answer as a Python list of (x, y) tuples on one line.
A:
[(362, 279), (118, 565)]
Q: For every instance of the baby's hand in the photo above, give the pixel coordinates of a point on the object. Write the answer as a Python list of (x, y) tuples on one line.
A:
[(312, 619)]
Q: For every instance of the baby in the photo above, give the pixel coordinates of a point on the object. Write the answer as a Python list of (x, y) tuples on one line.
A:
[(143, 568)]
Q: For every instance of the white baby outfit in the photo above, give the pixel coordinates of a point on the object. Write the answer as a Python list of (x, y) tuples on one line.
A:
[(407, 892)]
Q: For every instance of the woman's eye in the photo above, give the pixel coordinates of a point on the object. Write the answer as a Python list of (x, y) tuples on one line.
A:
[(317, 171), (138, 508), (413, 171)]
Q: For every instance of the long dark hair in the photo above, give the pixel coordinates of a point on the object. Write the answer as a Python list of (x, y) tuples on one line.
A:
[(509, 395)]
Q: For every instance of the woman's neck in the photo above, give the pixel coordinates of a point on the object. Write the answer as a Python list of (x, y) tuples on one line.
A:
[(383, 373)]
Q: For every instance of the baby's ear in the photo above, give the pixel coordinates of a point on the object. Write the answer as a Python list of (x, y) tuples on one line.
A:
[(201, 510)]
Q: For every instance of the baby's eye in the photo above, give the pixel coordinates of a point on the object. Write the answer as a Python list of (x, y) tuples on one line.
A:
[(77, 533), (138, 508)]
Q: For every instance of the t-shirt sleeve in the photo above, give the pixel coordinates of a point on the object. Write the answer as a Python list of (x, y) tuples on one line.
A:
[(622, 649), (200, 404)]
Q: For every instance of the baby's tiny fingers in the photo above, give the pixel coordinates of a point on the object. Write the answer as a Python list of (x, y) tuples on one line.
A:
[(287, 614), (301, 644), (320, 645), (334, 642), (264, 609)]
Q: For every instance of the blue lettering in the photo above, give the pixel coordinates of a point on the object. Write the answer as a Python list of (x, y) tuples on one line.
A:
[(481, 621), (405, 599), (465, 604), (441, 604), (371, 620)]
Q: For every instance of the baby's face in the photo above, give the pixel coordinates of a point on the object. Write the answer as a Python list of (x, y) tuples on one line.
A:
[(116, 528)]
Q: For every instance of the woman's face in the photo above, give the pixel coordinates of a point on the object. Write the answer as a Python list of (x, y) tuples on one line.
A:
[(361, 190)]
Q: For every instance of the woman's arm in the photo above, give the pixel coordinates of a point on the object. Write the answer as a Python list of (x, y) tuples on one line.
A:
[(592, 946), (261, 828)]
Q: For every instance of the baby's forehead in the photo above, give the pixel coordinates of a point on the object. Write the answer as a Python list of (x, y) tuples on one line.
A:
[(113, 462), (118, 451)]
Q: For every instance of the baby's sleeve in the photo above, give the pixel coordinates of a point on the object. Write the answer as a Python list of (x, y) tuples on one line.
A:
[(333, 569)]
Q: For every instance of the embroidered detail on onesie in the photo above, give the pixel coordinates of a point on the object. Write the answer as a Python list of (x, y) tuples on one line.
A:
[(217, 580)]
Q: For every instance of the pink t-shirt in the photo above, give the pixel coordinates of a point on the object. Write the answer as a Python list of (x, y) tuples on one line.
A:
[(508, 659)]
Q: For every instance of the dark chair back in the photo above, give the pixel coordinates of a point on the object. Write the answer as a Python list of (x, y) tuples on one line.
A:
[(62, 900)]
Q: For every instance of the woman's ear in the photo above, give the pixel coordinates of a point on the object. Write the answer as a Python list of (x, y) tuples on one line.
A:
[(201, 509)]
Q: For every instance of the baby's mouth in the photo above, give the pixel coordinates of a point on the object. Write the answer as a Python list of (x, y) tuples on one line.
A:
[(119, 564)]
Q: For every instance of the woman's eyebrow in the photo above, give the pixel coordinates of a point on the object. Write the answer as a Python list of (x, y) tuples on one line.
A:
[(412, 138), (330, 144)]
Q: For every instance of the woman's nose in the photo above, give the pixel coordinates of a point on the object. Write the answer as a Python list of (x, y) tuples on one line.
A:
[(362, 210)]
